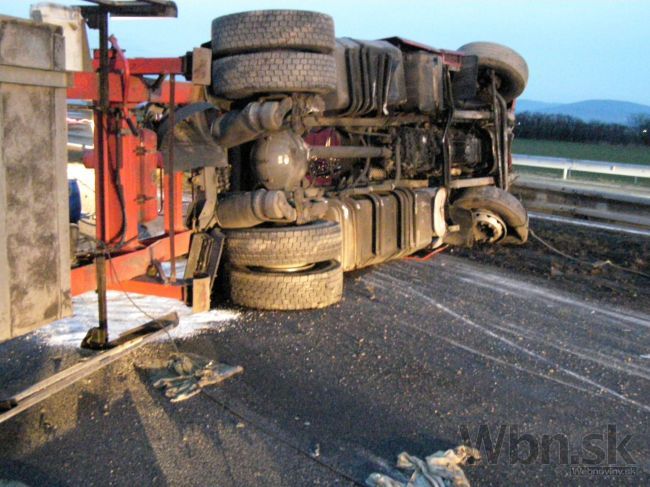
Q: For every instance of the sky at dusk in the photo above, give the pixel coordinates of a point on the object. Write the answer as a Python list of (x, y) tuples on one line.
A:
[(576, 50)]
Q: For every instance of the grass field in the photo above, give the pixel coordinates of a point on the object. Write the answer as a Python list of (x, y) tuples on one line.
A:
[(631, 154)]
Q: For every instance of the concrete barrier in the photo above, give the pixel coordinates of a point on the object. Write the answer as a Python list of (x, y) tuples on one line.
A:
[(34, 220)]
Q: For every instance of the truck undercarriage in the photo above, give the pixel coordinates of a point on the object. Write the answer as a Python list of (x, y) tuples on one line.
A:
[(316, 155)]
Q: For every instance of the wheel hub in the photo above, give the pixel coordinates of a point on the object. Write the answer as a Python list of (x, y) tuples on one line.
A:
[(488, 227)]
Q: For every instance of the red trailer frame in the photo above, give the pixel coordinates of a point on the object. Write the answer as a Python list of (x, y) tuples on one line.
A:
[(128, 173)]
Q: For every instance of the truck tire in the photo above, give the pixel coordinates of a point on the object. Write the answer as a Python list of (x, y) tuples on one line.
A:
[(273, 72), (318, 287), (507, 64), (502, 203), (264, 30), (295, 246)]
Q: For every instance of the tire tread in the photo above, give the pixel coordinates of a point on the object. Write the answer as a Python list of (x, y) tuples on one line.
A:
[(263, 30), (285, 290), (319, 241), (273, 72)]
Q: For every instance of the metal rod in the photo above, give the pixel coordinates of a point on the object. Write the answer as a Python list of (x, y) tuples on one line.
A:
[(100, 258), (59, 381), (398, 160), (504, 135), (347, 152), (172, 175), (497, 130), (460, 115), (446, 148), (364, 122)]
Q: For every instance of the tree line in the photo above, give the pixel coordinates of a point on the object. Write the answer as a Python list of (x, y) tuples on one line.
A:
[(566, 128)]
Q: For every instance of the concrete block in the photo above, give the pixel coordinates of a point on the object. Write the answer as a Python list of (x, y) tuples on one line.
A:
[(34, 221), (29, 44)]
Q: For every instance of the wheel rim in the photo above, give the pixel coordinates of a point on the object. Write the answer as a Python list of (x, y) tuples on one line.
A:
[(292, 268)]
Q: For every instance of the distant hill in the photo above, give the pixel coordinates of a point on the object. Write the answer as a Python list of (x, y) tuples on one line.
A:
[(534, 106), (606, 111)]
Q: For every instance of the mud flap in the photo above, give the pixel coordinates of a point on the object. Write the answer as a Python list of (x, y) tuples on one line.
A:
[(203, 260), (491, 199)]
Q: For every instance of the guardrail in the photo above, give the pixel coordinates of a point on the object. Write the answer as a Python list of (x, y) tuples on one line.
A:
[(604, 202), (637, 171)]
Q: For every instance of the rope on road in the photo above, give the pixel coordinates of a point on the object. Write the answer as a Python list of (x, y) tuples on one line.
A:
[(109, 256), (225, 406), (594, 265), (279, 439)]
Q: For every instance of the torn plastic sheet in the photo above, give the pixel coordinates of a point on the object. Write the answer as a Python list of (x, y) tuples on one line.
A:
[(188, 373), (442, 469)]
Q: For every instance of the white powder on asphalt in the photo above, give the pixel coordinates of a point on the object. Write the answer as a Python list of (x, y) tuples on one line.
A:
[(122, 316)]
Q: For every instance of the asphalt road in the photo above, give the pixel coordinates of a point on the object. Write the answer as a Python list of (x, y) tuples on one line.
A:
[(415, 354)]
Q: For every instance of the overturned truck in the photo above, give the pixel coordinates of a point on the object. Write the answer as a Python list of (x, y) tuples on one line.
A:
[(330, 154)]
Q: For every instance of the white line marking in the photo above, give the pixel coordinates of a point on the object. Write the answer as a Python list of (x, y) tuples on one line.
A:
[(607, 321), (483, 354), (502, 283), (535, 355), (589, 224), (622, 359)]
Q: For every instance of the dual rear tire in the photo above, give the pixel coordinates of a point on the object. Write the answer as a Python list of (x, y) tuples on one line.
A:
[(317, 287), (279, 52), (273, 51), (285, 268)]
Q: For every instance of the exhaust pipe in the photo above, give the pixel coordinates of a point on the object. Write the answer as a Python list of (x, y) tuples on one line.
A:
[(241, 126), (245, 210)]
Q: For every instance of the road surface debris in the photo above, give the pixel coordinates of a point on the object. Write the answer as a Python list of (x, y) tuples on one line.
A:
[(442, 469), (190, 373)]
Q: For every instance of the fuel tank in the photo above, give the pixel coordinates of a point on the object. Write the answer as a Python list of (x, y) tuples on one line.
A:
[(381, 225)]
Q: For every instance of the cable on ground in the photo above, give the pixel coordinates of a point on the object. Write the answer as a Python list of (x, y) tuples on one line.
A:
[(594, 265), (220, 403)]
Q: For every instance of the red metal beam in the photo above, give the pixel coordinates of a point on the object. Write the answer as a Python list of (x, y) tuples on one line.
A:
[(179, 223), (163, 65), (151, 288), (127, 170), (139, 65), (128, 266), (85, 86)]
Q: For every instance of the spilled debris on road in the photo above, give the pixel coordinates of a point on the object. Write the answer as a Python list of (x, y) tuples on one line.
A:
[(69, 332), (442, 469), (188, 373)]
